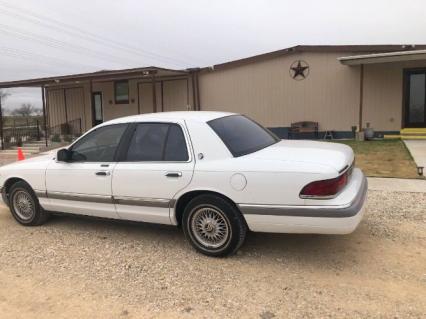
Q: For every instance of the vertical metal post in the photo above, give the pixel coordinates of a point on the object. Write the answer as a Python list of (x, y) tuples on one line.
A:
[(154, 95), (361, 95), (43, 97), (65, 106), (92, 104), (38, 131), (197, 84), (1, 126), (139, 102), (194, 99), (162, 96)]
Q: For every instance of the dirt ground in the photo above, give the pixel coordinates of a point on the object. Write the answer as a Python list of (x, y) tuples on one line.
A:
[(84, 268)]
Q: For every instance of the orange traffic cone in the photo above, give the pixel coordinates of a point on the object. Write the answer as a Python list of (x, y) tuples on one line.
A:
[(21, 156)]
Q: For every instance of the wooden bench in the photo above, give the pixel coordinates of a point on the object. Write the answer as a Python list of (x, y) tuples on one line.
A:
[(303, 127)]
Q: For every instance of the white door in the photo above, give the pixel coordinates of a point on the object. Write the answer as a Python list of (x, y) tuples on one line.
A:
[(82, 185), (157, 164)]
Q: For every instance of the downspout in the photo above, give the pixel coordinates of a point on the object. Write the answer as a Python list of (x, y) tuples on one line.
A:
[(154, 95), (198, 89), (43, 97), (361, 95), (92, 104), (1, 126), (195, 88), (194, 98)]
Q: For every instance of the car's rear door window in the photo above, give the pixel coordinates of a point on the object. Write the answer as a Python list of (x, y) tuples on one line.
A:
[(242, 135), (175, 148), (157, 142)]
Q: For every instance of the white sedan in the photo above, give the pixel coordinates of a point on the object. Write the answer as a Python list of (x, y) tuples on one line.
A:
[(217, 175)]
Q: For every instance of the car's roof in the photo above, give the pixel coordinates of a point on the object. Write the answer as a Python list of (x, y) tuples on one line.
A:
[(202, 116)]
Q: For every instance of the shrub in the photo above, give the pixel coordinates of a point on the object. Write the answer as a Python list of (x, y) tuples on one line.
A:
[(68, 138), (56, 138)]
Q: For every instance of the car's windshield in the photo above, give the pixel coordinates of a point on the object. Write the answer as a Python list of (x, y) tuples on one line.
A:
[(242, 135)]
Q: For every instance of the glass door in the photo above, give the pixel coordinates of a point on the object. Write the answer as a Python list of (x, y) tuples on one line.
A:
[(415, 98), (97, 108)]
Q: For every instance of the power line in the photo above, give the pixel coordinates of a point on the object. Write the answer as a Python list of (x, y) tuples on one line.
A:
[(47, 60), (53, 43), (50, 23)]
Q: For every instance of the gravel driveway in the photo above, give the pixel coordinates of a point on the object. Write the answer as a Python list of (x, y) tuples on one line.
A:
[(83, 268)]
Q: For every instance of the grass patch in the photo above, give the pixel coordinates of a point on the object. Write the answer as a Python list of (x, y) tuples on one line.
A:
[(386, 158)]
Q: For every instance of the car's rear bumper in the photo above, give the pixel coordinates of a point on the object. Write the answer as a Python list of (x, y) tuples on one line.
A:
[(315, 219)]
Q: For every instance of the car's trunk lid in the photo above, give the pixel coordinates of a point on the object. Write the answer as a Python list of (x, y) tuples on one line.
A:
[(335, 155)]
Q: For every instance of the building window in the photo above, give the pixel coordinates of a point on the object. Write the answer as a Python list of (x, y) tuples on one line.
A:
[(121, 92)]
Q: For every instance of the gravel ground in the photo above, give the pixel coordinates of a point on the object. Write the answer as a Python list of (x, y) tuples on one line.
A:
[(83, 268)]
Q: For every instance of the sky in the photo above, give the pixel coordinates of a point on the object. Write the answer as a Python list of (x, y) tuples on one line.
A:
[(56, 37)]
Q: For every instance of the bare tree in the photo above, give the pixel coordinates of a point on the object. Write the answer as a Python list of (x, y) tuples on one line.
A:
[(4, 95), (38, 111), (25, 110)]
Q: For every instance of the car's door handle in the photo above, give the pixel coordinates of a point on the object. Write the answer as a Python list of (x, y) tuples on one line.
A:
[(173, 174), (103, 173)]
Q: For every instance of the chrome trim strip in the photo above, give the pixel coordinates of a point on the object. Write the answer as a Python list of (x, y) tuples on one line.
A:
[(40, 194), (138, 201), (120, 200), (81, 197), (347, 210), (343, 169)]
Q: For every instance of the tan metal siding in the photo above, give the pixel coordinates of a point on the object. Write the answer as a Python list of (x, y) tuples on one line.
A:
[(75, 105), (78, 102), (265, 91), (145, 98), (175, 95), (56, 107)]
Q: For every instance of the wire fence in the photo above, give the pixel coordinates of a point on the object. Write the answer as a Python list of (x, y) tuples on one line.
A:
[(16, 133)]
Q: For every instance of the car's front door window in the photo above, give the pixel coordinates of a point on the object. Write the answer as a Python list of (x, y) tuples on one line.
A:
[(98, 146)]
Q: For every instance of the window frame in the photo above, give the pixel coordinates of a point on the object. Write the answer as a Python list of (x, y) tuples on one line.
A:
[(116, 153), (116, 83), (132, 130)]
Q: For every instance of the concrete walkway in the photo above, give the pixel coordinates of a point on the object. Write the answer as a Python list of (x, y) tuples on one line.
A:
[(397, 184), (417, 149)]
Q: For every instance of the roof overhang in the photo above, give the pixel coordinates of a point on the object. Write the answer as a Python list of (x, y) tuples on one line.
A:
[(147, 72), (387, 57)]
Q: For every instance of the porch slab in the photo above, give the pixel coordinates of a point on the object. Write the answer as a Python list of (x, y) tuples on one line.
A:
[(417, 149), (397, 184)]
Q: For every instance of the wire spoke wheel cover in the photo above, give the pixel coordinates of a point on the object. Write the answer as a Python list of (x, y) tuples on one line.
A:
[(210, 227), (23, 205)]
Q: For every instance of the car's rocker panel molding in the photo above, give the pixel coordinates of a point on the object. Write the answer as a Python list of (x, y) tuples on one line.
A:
[(106, 199)]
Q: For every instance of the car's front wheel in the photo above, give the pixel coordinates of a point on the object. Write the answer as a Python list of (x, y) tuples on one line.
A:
[(213, 225), (24, 205)]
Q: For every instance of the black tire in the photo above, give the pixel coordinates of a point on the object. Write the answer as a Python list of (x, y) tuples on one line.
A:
[(226, 213), (35, 216)]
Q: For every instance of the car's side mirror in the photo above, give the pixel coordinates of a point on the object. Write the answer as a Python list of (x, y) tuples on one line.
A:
[(63, 155)]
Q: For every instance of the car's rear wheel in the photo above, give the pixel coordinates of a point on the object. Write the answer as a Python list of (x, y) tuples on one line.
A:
[(24, 205), (213, 225)]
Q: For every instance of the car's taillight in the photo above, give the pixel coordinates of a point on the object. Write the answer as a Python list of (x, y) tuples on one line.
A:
[(326, 188)]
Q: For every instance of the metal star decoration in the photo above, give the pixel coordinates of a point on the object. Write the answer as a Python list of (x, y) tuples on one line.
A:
[(299, 70)]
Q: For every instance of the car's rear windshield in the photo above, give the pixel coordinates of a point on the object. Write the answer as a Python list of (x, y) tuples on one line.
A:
[(242, 135)]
